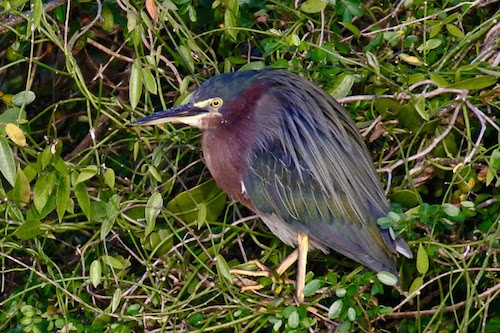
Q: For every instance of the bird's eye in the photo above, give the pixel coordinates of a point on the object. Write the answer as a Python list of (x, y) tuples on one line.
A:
[(216, 103)]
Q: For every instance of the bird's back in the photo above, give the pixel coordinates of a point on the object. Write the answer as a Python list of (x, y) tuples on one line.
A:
[(312, 173)]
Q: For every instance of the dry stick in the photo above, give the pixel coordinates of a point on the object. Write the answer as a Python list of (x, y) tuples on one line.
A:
[(108, 51), (414, 314), (468, 158), (55, 284), (460, 270), (14, 20), (430, 147)]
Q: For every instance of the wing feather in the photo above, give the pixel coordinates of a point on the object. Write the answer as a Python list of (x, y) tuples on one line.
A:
[(315, 174)]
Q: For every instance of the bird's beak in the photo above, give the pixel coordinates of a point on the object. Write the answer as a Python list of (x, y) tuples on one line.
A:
[(186, 113)]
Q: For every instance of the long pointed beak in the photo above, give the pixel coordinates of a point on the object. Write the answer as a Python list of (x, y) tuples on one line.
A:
[(177, 114)]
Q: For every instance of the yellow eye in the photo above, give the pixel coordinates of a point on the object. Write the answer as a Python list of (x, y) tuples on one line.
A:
[(216, 103)]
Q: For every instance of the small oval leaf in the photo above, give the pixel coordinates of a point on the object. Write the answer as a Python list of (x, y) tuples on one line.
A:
[(422, 260), (153, 207), (387, 278), (335, 309), (222, 267), (15, 134), (23, 97), (312, 6), (95, 273)]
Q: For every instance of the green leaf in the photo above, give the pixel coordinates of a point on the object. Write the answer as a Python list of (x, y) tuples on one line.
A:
[(115, 301), (455, 31), (28, 229), (435, 30), (95, 273), (312, 6), (351, 314), (112, 209), (37, 13), (114, 262), (335, 309), (21, 191), (159, 242), (437, 79), (311, 287), (352, 28), (83, 198), (153, 208), (422, 260), (450, 209), (429, 45), (63, 196), (222, 267), (43, 188), (417, 283), (407, 198), (420, 106), (23, 98), (7, 163), (495, 159), (202, 215), (373, 62), (185, 205), (135, 84), (156, 175), (86, 173), (149, 81), (294, 319), (343, 85), (60, 166), (109, 178), (230, 15), (340, 292), (387, 278), (107, 19), (45, 157), (475, 83), (254, 65)]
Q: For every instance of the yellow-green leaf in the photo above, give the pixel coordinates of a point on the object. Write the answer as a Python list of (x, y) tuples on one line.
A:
[(15, 134), (95, 273), (454, 31), (153, 208), (21, 191), (475, 83), (312, 6), (63, 196), (117, 295), (422, 260), (28, 229), (109, 178), (387, 278), (7, 163), (83, 199), (86, 173), (149, 81), (222, 267), (135, 84), (43, 188)]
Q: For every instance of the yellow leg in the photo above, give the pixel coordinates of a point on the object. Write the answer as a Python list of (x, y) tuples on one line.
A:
[(287, 262), (303, 248), (299, 255)]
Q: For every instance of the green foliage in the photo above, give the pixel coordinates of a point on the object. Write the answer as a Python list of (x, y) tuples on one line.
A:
[(111, 228)]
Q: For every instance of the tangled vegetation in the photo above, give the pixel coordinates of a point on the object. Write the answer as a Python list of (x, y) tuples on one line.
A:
[(109, 228)]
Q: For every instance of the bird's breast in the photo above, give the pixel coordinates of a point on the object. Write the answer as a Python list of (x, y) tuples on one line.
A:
[(226, 158)]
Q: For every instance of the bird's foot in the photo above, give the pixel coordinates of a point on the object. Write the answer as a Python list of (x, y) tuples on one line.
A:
[(263, 271)]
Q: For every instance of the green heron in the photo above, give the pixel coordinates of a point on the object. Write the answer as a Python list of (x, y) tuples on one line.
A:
[(288, 151)]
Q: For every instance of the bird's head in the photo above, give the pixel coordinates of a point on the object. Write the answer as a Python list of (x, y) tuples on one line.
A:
[(215, 102)]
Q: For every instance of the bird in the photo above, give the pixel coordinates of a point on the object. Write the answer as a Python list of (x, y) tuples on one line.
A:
[(288, 151)]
